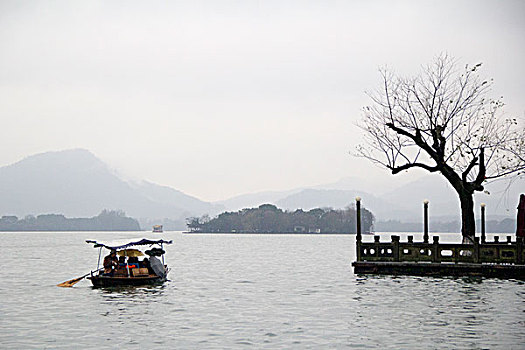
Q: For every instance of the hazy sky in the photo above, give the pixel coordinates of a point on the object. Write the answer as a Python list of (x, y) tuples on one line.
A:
[(218, 98)]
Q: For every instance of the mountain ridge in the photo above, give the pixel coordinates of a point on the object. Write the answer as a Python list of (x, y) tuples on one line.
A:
[(403, 203), (78, 184)]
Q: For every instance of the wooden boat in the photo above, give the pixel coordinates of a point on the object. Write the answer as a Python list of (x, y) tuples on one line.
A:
[(131, 271), (157, 228)]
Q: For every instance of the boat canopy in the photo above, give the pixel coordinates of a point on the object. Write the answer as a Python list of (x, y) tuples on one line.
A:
[(116, 245)]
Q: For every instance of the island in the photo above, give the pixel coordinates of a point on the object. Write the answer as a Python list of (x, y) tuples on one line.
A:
[(107, 220), (267, 218)]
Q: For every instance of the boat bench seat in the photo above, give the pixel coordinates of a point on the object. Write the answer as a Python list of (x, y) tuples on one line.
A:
[(121, 272), (139, 272)]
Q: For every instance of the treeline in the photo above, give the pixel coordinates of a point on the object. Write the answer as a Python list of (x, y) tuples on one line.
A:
[(267, 218), (491, 226), (107, 220)]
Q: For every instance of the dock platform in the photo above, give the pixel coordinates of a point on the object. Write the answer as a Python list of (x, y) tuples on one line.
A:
[(488, 259)]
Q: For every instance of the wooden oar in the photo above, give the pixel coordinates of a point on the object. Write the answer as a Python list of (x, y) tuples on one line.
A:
[(72, 282)]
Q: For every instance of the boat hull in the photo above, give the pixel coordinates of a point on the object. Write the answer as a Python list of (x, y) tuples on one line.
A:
[(110, 281)]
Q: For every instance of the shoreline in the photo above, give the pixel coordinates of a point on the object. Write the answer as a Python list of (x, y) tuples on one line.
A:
[(270, 233)]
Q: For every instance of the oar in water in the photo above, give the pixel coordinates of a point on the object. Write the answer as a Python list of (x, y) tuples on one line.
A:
[(72, 282)]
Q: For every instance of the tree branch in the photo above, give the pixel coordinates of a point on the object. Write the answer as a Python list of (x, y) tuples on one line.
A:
[(482, 169), (471, 166), (407, 166), (417, 139)]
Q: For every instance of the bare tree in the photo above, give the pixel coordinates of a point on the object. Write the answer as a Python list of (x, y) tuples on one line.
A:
[(442, 120)]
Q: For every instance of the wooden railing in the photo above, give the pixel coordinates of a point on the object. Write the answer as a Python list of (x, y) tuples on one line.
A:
[(496, 252)]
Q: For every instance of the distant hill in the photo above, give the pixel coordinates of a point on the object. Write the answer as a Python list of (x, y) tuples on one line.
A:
[(173, 199), (252, 200), (443, 199), (328, 195), (501, 198), (401, 202), (338, 199), (75, 183)]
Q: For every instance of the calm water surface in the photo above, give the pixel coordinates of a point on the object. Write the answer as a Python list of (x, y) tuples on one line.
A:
[(246, 291)]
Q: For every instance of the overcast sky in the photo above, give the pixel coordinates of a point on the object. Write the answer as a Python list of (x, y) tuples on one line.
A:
[(218, 98)]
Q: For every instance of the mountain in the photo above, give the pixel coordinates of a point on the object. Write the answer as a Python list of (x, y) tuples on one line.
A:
[(75, 183), (170, 197), (442, 197), (501, 198), (319, 198), (253, 200), (377, 184), (391, 199), (325, 195), (313, 198)]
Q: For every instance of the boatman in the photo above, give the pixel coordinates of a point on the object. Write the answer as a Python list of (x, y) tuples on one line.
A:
[(157, 266), (110, 262)]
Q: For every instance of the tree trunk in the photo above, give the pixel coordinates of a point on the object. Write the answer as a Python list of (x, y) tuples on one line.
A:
[(468, 223), (466, 198)]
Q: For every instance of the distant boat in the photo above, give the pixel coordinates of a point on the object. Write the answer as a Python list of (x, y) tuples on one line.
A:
[(157, 228)]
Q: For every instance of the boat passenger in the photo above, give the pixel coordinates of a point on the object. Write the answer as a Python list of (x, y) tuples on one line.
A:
[(145, 263), (157, 266), (133, 262), (122, 261), (110, 262)]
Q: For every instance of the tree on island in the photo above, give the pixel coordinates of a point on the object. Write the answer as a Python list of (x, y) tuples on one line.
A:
[(267, 218), (442, 120), (107, 220)]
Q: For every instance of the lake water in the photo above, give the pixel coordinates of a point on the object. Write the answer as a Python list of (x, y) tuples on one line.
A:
[(246, 292)]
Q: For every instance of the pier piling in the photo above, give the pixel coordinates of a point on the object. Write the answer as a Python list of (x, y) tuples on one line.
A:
[(483, 237), (425, 226)]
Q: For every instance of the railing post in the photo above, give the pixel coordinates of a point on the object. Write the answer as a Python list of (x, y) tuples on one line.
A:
[(376, 247), (395, 249), (435, 250), (483, 236), (358, 217), (425, 218), (498, 252), (519, 249), (476, 249), (358, 227)]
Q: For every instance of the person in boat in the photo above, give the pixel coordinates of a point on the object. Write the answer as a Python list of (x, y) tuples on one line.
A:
[(133, 262), (110, 262), (157, 267), (121, 269), (145, 264)]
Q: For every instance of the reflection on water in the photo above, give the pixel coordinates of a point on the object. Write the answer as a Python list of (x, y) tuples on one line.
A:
[(129, 291), (226, 291)]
